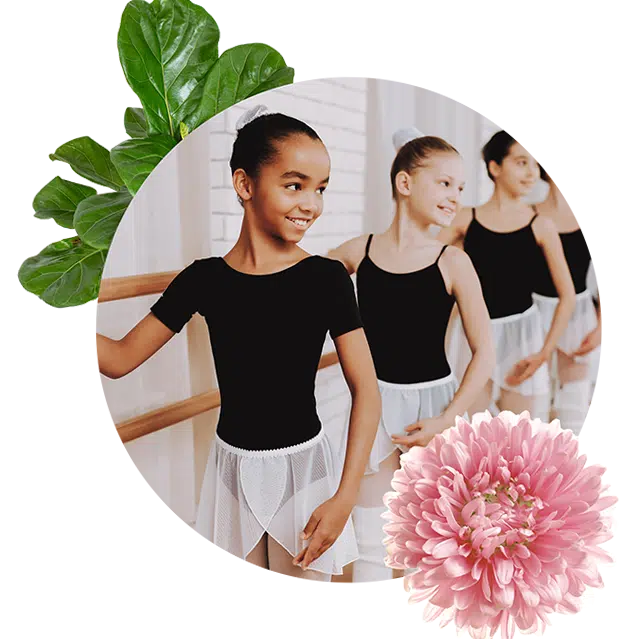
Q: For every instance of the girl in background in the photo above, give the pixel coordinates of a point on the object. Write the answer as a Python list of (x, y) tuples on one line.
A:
[(407, 284), (272, 493), (502, 238), (571, 384)]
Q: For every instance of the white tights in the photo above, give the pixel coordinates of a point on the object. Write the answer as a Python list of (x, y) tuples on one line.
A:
[(573, 392)]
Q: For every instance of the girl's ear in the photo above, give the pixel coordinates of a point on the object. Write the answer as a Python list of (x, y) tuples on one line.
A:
[(494, 169), (243, 185), (402, 183)]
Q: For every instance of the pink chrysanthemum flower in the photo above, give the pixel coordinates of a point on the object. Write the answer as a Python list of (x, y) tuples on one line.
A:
[(501, 521)]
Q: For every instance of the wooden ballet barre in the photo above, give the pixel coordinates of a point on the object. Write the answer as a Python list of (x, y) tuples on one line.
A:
[(121, 288), (179, 411)]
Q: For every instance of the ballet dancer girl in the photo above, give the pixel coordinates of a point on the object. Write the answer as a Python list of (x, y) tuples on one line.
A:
[(571, 383), (272, 493), (407, 284), (503, 238)]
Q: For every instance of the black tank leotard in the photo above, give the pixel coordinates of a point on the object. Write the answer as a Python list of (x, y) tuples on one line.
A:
[(267, 333), (405, 317), (578, 258), (506, 264)]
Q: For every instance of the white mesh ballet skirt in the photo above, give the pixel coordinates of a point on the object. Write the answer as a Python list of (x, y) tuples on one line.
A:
[(247, 492), (515, 337), (405, 404), (582, 321)]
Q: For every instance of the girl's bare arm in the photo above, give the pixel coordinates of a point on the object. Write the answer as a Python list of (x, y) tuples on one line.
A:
[(329, 519), (117, 358), (467, 291), (366, 408), (550, 243)]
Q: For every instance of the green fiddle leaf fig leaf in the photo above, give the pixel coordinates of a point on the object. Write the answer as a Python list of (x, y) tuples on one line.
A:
[(96, 218), (65, 273), (135, 159), (184, 130), (59, 199), (90, 160), (239, 73), (135, 123), (166, 48)]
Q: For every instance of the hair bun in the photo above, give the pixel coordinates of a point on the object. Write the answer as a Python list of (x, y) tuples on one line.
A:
[(402, 136), (250, 115)]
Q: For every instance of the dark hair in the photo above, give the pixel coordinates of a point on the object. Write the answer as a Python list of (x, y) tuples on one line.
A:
[(496, 149), (254, 145), (416, 151), (542, 173)]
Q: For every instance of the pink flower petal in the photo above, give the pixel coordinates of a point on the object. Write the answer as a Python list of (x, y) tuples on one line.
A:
[(485, 586), (461, 583), (504, 596), (532, 564), (432, 612), (446, 548), (503, 570), (444, 597), (456, 566), (463, 598), (605, 502), (442, 529)]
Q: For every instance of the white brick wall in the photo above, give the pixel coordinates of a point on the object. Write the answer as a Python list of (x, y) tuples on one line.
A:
[(337, 110)]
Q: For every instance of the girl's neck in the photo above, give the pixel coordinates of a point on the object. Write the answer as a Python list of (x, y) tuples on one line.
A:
[(258, 251), (406, 230), (503, 201)]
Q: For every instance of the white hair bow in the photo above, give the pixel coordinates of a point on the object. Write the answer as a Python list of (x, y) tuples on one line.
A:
[(250, 115), (402, 136)]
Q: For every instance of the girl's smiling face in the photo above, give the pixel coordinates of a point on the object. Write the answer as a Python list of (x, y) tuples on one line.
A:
[(434, 189), (287, 195)]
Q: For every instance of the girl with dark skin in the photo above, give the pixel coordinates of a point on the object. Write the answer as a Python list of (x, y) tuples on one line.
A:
[(280, 170)]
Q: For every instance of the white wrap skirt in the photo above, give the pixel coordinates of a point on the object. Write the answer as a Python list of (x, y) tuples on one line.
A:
[(403, 405), (515, 337), (246, 493), (582, 321)]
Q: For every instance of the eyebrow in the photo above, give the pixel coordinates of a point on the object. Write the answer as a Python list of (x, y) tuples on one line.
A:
[(301, 176)]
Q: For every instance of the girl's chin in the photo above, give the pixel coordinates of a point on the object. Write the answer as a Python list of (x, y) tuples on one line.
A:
[(442, 220)]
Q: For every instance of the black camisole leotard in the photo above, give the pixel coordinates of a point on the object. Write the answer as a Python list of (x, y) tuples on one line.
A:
[(506, 264), (405, 316), (578, 258)]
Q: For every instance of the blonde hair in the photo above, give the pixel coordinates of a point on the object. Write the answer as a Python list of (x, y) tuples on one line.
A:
[(415, 152)]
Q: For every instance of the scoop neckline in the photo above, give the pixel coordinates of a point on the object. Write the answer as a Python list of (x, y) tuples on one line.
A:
[(285, 270), (419, 270), (517, 230)]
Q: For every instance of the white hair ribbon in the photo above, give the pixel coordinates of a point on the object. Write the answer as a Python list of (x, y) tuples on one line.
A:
[(250, 115), (402, 136)]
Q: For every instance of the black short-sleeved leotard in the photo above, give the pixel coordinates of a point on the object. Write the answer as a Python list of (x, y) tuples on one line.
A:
[(267, 333)]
